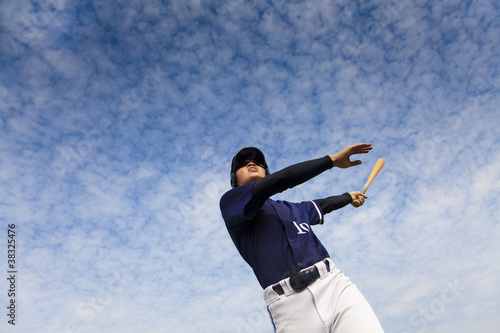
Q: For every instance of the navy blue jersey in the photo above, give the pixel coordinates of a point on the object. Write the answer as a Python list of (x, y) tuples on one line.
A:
[(275, 237), (278, 241)]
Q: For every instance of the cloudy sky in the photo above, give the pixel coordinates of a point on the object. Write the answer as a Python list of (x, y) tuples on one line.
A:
[(119, 120)]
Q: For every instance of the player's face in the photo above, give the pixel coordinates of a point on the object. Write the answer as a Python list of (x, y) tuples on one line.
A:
[(248, 172)]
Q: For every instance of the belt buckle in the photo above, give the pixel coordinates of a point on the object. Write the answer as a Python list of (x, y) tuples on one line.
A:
[(299, 281)]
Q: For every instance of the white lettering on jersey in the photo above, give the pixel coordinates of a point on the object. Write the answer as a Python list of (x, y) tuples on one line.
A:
[(303, 228)]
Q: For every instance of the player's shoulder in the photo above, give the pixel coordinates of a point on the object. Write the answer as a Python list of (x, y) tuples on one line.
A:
[(237, 194)]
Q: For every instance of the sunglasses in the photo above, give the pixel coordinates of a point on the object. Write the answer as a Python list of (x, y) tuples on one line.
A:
[(246, 163)]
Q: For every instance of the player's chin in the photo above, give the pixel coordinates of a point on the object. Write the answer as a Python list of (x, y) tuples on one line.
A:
[(255, 177), (251, 178), (258, 176)]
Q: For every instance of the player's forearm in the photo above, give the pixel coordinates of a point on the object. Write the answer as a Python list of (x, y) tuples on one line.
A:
[(284, 179), (335, 202), (291, 176)]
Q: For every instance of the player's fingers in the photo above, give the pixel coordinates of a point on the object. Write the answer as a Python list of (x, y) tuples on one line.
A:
[(356, 203), (362, 147)]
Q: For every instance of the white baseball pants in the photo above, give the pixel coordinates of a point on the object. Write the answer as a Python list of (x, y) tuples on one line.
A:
[(331, 304)]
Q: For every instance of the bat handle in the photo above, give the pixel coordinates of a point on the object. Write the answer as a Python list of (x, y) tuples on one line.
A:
[(356, 203)]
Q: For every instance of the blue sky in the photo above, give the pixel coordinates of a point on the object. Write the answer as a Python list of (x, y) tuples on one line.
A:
[(119, 121)]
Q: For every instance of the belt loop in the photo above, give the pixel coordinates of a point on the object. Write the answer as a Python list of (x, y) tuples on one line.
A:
[(285, 284), (283, 287), (323, 267), (278, 289)]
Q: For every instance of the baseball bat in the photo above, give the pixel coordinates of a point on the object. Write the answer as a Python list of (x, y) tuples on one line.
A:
[(376, 169)]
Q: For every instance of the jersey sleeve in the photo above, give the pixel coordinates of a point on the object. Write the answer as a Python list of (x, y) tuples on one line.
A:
[(316, 213), (232, 205)]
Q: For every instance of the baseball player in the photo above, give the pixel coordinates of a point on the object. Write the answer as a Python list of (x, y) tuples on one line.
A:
[(303, 289)]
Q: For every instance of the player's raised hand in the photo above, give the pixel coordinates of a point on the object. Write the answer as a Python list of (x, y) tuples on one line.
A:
[(342, 158)]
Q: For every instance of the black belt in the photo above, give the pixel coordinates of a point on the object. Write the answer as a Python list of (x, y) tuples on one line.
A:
[(299, 281)]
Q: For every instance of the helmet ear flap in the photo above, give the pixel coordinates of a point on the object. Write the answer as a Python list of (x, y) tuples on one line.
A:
[(234, 181)]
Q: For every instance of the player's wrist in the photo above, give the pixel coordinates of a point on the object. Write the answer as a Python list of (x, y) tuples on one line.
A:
[(334, 159)]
